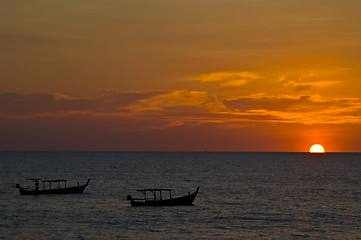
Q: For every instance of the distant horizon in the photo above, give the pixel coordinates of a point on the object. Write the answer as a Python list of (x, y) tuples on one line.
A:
[(115, 151)]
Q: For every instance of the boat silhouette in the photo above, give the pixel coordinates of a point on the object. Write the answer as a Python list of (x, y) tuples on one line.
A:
[(186, 200), (50, 189)]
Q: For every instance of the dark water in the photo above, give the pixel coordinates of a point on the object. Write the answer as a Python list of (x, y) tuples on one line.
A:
[(242, 196)]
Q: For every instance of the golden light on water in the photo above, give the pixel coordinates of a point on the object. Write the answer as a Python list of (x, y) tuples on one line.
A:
[(317, 148)]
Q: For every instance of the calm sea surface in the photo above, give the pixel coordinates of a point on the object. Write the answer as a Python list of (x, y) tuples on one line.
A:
[(242, 196)]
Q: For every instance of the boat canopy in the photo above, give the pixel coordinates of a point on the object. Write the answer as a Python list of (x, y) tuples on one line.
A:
[(56, 180), (45, 180), (154, 189)]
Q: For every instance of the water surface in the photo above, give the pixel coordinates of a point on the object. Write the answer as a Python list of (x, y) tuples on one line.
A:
[(242, 195)]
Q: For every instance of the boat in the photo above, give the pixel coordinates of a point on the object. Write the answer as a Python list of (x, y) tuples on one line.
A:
[(157, 198), (61, 187)]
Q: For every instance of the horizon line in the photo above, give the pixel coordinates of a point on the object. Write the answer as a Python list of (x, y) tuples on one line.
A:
[(164, 151)]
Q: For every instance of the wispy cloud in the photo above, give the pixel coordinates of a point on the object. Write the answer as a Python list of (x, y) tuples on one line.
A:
[(306, 85), (169, 109), (228, 79), (301, 109), (29, 105), (300, 81)]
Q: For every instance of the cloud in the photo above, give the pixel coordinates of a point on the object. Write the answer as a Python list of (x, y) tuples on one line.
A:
[(228, 79), (15, 104), (234, 83), (286, 103), (322, 78), (306, 85), (301, 109), (170, 109), (30, 105), (172, 101), (165, 126)]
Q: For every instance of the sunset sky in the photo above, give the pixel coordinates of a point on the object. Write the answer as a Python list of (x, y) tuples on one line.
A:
[(160, 75)]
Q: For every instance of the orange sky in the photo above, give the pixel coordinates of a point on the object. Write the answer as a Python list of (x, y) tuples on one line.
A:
[(206, 75)]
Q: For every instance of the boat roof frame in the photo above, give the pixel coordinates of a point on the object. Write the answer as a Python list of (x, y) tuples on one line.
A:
[(45, 180), (154, 189), (56, 180)]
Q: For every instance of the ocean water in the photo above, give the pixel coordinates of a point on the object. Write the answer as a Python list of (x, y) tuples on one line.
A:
[(242, 195)]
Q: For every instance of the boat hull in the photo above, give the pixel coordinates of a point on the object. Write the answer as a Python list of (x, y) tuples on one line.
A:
[(179, 201), (76, 189)]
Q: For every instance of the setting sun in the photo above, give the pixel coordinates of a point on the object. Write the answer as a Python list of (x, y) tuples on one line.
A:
[(317, 148)]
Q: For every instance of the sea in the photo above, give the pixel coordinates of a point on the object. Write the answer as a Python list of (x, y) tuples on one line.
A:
[(243, 195)]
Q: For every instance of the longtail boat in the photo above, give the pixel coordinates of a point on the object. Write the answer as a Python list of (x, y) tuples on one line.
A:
[(157, 199), (59, 188)]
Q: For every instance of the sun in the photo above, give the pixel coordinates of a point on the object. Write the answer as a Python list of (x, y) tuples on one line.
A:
[(317, 148)]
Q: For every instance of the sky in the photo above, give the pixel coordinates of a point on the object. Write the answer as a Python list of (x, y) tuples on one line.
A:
[(160, 75)]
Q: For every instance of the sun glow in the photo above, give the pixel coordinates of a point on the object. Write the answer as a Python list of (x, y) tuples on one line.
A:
[(317, 148)]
